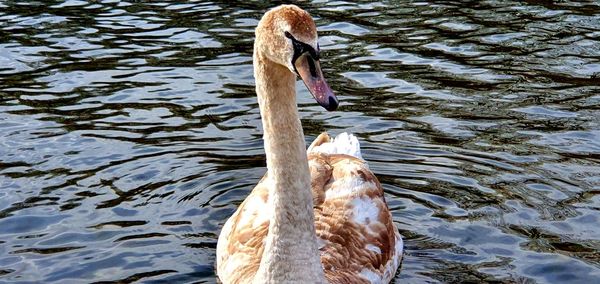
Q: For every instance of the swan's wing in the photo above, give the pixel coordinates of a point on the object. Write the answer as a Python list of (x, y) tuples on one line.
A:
[(240, 244), (359, 241)]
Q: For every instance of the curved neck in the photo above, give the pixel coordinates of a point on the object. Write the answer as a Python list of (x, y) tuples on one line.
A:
[(291, 251)]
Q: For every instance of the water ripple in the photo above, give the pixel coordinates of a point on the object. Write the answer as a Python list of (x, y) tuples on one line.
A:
[(130, 124)]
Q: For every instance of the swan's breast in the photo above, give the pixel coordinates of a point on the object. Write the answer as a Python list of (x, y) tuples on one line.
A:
[(241, 242)]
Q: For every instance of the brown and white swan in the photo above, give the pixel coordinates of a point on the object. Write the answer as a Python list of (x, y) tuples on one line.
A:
[(317, 216)]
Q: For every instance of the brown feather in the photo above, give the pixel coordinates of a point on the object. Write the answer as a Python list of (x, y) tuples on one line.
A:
[(348, 246)]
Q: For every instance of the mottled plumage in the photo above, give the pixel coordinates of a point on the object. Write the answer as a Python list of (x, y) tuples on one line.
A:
[(358, 241)]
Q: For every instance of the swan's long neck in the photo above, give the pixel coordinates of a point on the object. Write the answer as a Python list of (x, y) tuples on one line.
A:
[(291, 251)]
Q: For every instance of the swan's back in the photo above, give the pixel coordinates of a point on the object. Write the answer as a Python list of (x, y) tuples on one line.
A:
[(358, 240)]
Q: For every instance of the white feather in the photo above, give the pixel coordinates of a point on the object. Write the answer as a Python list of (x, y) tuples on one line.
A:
[(365, 211), (370, 275), (373, 248), (344, 143)]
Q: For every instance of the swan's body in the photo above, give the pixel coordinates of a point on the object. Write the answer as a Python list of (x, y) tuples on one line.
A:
[(319, 215)]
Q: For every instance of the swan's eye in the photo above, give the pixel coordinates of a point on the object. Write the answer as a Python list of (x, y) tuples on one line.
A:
[(288, 34)]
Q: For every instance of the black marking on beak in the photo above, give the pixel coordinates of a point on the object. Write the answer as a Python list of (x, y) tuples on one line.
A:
[(333, 104), (313, 68)]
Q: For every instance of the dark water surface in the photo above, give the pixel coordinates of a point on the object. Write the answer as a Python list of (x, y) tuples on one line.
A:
[(130, 131)]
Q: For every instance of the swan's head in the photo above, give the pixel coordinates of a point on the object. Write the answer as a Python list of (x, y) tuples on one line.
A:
[(287, 35)]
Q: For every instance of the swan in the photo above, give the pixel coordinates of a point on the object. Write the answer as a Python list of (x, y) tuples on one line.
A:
[(318, 215)]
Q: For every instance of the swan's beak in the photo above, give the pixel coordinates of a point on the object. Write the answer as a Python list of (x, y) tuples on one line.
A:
[(310, 72)]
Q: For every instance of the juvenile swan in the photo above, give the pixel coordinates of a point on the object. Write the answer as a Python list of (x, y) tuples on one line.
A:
[(317, 216)]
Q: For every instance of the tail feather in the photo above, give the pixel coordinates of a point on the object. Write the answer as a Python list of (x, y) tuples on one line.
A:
[(344, 143)]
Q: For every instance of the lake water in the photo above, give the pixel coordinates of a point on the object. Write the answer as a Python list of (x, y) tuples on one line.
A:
[(129, 133)]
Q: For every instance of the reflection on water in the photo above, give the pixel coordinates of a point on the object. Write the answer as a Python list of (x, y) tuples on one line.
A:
[(130, 132)]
